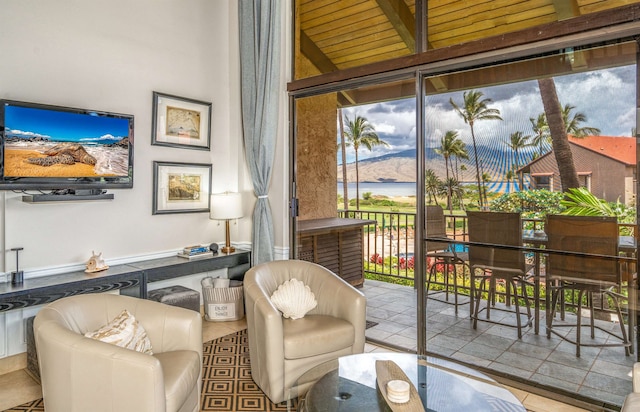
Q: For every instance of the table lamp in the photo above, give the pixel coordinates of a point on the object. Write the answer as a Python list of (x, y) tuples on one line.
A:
[(226, 206)]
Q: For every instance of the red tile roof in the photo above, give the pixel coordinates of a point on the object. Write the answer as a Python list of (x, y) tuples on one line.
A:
[(622, 149)]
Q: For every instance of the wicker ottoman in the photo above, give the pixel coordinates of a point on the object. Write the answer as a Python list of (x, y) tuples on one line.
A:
[(177, 296)]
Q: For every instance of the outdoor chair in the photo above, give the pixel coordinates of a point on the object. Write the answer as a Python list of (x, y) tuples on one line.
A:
[(582, 257), (495, 256), (445, 258)]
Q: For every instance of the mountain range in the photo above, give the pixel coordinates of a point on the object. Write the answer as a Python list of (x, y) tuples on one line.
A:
[(401, 166)]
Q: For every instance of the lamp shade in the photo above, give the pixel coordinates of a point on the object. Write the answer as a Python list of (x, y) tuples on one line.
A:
[(226, 206)]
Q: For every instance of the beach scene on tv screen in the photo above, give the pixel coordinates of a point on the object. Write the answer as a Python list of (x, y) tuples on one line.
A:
[(52, 143)]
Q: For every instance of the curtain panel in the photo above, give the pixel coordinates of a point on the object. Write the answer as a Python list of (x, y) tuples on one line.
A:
[(260, 27)]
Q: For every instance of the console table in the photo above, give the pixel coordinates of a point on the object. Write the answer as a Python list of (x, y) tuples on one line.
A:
[(131, 279)]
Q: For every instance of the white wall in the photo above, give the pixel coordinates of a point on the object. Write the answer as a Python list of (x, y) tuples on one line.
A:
[(111, 56)]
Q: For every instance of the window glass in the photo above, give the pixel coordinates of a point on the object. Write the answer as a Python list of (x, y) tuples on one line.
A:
[(548, 192)]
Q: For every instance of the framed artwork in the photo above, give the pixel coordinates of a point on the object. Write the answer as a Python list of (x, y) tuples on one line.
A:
[(181, 187), (181, 122)]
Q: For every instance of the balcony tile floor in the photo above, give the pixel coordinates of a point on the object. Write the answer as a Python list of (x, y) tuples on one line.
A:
[(601, 374)]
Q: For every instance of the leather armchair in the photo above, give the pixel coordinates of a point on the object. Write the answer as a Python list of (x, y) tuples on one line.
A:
[(281, 349), (83, 374), (632, 401)]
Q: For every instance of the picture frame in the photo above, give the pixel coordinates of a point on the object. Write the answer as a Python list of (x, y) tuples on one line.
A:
[(181, 187), (181, 122)]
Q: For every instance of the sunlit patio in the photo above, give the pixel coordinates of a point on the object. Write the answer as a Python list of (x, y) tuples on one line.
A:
[(601, 376)]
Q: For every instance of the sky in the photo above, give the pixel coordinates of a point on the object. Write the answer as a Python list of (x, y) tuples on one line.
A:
[(63, 125), (606, 97)]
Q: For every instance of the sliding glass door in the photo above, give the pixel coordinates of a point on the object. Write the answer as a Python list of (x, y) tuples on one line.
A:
[(531, 167)]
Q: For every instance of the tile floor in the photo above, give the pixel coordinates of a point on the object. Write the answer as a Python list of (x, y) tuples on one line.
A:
[(601, 376), (18, 387)]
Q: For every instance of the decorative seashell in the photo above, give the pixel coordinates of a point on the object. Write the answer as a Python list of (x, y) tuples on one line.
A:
[(294, 299)]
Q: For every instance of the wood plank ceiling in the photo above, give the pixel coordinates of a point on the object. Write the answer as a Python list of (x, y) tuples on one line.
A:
[(340, 34)]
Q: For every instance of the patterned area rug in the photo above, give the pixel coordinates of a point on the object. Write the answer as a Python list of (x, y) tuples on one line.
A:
[(226, 380)]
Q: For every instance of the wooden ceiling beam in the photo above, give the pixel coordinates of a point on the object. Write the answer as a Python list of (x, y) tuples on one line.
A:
[(401, 19), (324, 64), (566, 9), (315, 55)]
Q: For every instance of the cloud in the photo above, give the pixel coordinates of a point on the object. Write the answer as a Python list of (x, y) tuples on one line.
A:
[(606, 97), (27, 134), (103, 137)]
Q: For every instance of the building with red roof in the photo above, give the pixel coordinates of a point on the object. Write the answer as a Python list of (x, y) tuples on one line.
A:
[(606, 166)]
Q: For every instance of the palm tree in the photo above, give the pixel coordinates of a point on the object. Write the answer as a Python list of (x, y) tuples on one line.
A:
[(572, 124), (451, 145), (432, 185), (462, 169), (541, 132), (475, 108), (452, 187), (360, 132), (517, 141), (558, 132), (343, 145)]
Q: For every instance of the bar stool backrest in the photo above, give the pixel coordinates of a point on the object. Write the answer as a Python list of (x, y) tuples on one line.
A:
[(496, 228), (436, 228), (583, 234)]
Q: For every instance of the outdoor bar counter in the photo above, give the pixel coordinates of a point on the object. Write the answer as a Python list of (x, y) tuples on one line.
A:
[(335, 243)]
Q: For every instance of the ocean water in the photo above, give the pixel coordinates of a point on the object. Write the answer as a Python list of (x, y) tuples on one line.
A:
[(384, 189)]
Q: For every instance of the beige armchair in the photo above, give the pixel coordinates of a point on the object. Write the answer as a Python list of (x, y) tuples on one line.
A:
[(632, 401), (83, 374), (283, 349)]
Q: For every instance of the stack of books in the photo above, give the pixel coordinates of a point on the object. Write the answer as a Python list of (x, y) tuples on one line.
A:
[(196, 251)]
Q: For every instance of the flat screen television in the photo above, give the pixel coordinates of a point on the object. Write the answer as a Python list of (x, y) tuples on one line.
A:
[(64, 149)]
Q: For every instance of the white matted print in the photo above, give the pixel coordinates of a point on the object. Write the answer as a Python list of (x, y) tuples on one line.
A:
[(181, 122), (181, 187)]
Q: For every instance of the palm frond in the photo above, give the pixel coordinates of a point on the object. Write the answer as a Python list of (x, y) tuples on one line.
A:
[(581, 202)]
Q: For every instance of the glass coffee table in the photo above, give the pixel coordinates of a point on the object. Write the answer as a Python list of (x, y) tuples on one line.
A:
[(349, 384)]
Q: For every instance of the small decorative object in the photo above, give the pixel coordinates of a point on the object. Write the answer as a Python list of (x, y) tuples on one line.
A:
[(17, 277), (294, 299), (398, 391), (396, 388), (96, 263), (181, 122)]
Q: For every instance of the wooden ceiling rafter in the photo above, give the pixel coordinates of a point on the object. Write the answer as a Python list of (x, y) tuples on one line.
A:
[(320, 61), (402, 20), (604, 25), (566, 9)]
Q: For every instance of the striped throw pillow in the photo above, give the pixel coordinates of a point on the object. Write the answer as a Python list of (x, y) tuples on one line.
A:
[(124, 331)]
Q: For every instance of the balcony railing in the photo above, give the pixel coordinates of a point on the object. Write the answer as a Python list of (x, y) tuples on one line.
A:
[(389, 248)]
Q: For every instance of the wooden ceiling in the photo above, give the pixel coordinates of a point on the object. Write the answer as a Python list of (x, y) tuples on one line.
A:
[(338, 34), (341, 34)]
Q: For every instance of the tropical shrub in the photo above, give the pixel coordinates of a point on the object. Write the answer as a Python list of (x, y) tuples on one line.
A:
[(532, 204)]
